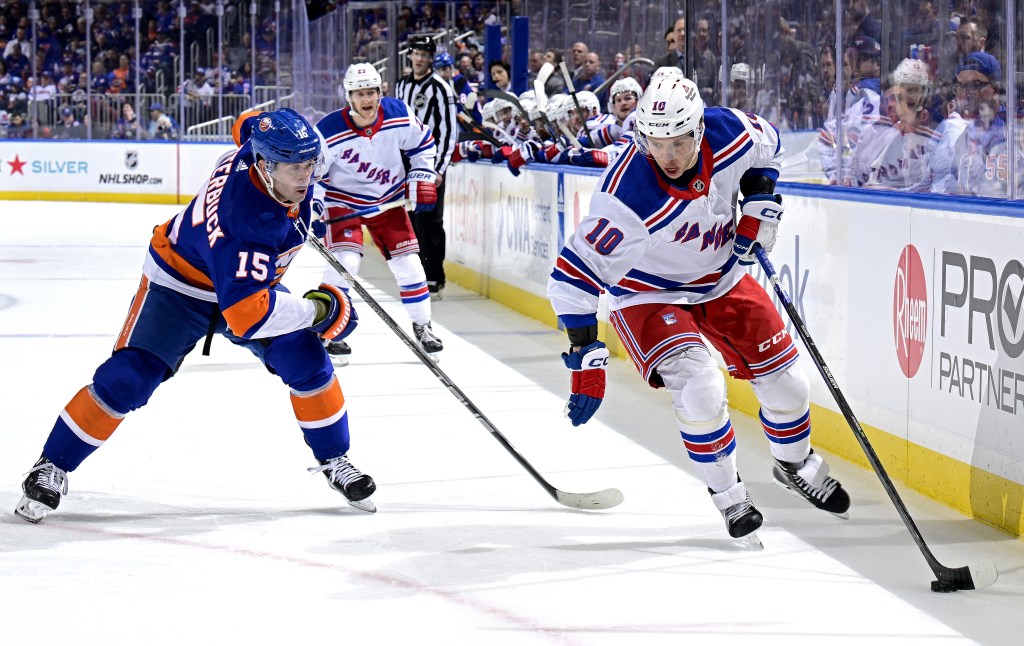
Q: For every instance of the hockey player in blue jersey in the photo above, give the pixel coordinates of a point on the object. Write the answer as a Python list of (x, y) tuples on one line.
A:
[(216, 267), (662, 243)]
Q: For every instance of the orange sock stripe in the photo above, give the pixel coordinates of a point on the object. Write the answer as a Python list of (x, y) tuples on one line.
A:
[(133, 314), (90, 417), (319, 409)]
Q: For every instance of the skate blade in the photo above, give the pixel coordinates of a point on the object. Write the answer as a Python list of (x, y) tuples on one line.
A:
[(433, 356), (752, 541), (366, 504), (31, 510), (339, 360)]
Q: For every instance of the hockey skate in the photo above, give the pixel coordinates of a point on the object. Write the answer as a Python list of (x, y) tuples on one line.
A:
[(436, 291), (346, 479), (810, 481), (43, 488), (430, 343), (742, 519), (339, 352)]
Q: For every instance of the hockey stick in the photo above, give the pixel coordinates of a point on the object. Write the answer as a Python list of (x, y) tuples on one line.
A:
[(579, 108), (619, 72), (596, 500), (969, 577), (477, 129), (373, 210), (546, 70)]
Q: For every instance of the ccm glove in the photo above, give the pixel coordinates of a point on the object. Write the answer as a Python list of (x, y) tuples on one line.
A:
[(759, 224), (422, 192), (335, 317), (588, 379)]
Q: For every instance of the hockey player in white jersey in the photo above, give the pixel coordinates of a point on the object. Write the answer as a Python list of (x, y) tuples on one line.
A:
[(366, 142), (662, 242)]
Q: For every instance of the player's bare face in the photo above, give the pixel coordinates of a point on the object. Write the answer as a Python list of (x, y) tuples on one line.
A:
[(364, 104), (291, 181), (674, 155), (624, 103)]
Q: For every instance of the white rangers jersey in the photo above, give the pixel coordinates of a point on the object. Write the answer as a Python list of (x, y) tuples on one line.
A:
[(365, 165), (647, 241)]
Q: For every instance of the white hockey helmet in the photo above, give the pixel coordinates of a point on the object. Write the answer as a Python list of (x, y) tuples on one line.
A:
[(500, 106), (527, 95), (625, 85), (911, 71), (488, 112), (589, 103), (670, 108), (666, 72), (361, 76), (740, 72)]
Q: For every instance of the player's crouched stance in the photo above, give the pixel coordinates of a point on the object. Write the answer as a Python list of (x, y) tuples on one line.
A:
[(216, 267), (657, 243)]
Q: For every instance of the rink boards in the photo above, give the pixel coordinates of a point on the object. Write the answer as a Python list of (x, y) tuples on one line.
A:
[(914, 302), (915, 308)]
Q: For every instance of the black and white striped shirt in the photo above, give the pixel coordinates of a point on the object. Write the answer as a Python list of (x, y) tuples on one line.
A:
[(434, 102)]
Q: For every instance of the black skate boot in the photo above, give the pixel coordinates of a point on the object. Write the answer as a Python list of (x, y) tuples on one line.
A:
[(339, 351), (43, 487), (742, 519), (810, 481), (436, 291), (430, 343), (346, 479)]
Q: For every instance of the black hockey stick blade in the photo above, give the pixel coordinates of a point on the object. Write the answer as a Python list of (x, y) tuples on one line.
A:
[(969, 577), (596, 500)]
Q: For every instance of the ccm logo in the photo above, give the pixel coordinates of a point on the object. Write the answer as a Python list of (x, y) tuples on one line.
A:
[(598, 362), (769, 212), (775, 340)]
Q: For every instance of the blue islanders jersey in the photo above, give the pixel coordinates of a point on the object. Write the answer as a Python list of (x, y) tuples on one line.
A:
[(231, 245), (647, 241)]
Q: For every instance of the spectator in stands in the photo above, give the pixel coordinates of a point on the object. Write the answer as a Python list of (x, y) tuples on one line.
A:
[(861, 14), (534, 64), (46, 89), (16, 62), (556, 82), (20, 39), (670, 41), (69, 127), (161, 126), (19, 127), (676, 57), (240, 53), (977, 89), (501, 75), (578, 55), (591, 78), (127, 125), (706, 68)]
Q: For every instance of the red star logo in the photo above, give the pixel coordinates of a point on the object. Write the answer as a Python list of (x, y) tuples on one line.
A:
[(17, 165)]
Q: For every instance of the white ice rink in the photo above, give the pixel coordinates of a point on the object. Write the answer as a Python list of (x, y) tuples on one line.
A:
[(197, 523)]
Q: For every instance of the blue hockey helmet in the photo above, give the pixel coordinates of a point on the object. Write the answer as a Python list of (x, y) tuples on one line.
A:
[(444, 59), (284, 136)]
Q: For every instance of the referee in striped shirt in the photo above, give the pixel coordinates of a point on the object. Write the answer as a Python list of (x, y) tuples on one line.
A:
[(434, 102)]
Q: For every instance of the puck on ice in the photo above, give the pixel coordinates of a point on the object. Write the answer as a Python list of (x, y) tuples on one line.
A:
[(943, 586)]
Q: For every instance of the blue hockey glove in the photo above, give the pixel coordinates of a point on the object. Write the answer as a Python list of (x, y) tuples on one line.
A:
[(335, 317), (759, 223), (588, 381)]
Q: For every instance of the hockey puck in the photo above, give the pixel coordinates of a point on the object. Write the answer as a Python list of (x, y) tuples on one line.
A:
[(943, 586)]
